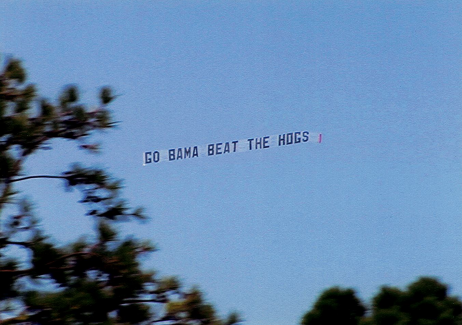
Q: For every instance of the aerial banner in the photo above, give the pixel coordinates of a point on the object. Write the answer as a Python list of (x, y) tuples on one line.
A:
[(229, 147)]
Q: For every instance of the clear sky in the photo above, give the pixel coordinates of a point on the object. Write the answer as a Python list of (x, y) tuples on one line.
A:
[(379, 201)]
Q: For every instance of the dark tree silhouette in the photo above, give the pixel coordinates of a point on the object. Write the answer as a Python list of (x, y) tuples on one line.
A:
[(335, 306), (91, 281), (424, 302)]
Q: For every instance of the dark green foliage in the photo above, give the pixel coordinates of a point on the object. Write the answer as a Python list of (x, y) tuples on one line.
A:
[(14, 71), (335, 306), (96, 280), (424, 302), (106, 95), (386, 306), (69, 95)]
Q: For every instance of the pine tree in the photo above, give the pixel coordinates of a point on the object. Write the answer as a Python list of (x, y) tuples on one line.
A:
[(89, 281), (424, 302)]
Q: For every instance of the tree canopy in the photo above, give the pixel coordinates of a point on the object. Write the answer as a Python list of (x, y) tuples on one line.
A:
[(335, 306), (96, 280), (424, 302)]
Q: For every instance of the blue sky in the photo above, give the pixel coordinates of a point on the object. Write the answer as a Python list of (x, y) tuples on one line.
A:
[(377, 202)]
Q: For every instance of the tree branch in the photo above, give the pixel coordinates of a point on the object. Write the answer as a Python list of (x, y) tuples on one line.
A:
[(49, 264), (36, 176), (136, 301), (72, 255), (19, 243)]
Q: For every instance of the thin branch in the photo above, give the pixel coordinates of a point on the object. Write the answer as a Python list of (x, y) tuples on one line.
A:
[(37, 176), (19, 243), (17, 272), (165, 319), (72, 255), (135, 301)]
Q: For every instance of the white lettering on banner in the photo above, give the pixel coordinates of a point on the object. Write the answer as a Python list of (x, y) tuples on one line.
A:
[(221, 148)]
